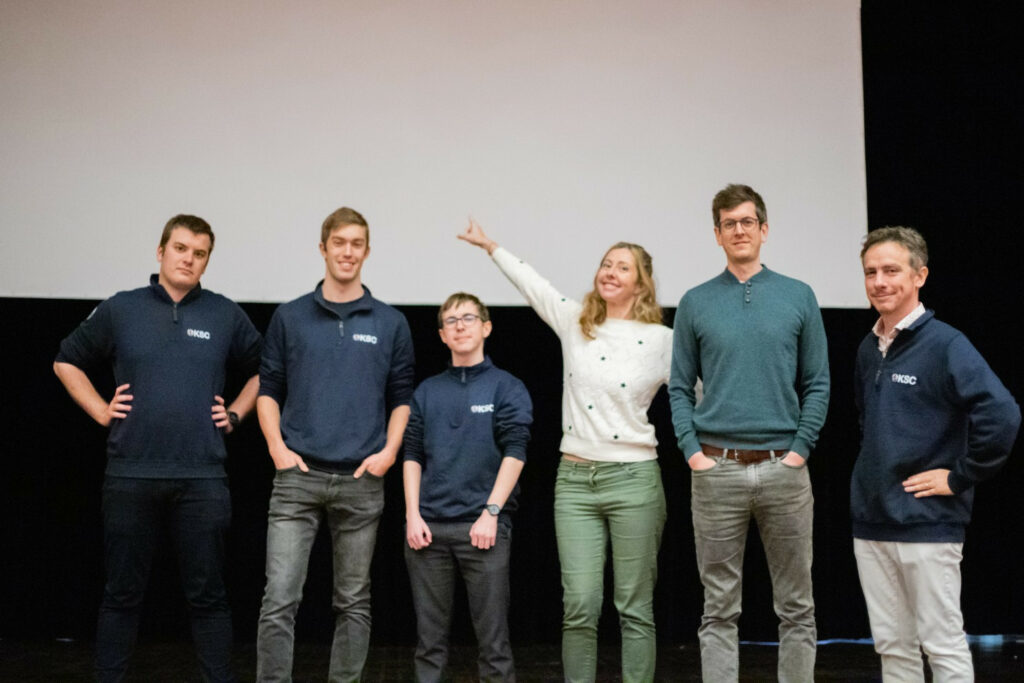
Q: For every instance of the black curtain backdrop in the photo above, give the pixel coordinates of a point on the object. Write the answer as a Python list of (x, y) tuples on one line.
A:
[(943, 115)]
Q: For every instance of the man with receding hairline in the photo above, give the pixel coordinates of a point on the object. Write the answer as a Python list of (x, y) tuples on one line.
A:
[(935, 421), (335, 385), (169, 345)]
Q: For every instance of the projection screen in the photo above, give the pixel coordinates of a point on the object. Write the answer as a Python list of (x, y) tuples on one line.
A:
[(561, 125)]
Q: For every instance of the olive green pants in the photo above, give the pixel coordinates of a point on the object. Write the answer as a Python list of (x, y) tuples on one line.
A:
[(596, 502)]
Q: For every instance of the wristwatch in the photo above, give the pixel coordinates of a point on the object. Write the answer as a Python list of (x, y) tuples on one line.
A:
[(493, 509), (233, 419)]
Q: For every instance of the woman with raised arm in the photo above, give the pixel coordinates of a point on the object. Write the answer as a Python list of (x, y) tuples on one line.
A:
[(615, 354)]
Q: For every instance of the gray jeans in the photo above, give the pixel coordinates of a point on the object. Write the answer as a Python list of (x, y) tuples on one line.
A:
[(432, 573), (779, 498), (297, 504)]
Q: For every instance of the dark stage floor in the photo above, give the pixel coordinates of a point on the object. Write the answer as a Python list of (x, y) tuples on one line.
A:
[(995, 659)]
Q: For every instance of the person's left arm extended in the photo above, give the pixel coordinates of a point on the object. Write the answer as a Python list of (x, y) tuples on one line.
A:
[(993, 418), (813, 382), (241, 406), (484, 531)]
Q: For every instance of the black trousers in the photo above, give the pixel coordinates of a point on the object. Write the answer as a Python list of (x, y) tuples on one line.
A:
[(197, 513), (485, 573)]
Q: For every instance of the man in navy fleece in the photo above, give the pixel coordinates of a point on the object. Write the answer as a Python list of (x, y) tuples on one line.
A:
[(935, 421), (335, 384), (464, 449), (170, 344)]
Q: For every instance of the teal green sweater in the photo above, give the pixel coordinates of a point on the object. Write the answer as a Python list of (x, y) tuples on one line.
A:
[(760, 349)]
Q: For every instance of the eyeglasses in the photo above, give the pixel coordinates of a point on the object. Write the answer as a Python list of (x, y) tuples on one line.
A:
[(467, 320), (730, 224)]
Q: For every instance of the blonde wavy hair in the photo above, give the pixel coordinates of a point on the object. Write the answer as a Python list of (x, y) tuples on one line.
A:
[(645, 306)]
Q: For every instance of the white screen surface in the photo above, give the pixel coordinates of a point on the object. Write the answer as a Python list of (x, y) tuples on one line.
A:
[(562, 126)]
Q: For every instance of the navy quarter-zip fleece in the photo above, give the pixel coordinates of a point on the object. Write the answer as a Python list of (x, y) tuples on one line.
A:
[(174, 355), (932, 402), (336, 377), (463, 423)]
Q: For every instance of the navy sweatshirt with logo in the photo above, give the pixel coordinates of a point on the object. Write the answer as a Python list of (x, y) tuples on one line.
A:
[(174, 356), (932, 402), (337, 371), (463, 423)]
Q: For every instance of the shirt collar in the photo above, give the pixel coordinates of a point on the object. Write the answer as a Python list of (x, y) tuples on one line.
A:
[(907, 321), (886, 340)]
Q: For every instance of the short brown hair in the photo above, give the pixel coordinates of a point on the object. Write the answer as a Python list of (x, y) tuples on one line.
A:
[(339, 219), (733, 195), (193, 223), (462, 298), (907, 237)]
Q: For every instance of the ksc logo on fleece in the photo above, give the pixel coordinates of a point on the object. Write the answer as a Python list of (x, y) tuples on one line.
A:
[(904, 379)]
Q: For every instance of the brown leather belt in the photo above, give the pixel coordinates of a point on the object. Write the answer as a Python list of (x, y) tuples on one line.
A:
[(740, 455)]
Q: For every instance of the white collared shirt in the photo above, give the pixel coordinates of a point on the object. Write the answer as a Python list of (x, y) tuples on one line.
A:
[(885, 340)]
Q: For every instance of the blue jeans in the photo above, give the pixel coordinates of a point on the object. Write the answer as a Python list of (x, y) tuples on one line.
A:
[(432, 577), (197, 513), (298, 502), (779, 498), (595, 501)]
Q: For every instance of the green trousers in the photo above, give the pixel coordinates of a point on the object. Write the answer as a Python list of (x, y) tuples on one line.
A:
[(595, 502)]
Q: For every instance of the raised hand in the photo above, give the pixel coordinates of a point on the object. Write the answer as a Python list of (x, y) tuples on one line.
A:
[(476, 236)]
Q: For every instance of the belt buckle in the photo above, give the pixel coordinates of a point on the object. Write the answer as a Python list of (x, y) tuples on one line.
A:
[(744, 459)]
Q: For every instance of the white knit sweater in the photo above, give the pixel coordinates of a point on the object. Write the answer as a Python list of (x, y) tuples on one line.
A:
[(608, 382)]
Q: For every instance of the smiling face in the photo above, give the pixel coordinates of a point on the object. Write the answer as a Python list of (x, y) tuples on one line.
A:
[(741, 234), (617, 279), (183, 261), (890, 281), (344, 252), (465, 340)]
